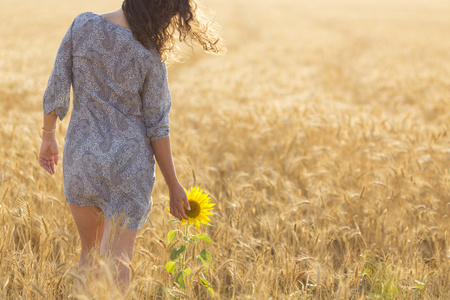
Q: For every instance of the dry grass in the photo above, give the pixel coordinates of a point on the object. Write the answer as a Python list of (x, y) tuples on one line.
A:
[(323, 135)]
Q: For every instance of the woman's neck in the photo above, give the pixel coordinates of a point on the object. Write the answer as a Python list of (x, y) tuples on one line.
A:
[(117, 17)]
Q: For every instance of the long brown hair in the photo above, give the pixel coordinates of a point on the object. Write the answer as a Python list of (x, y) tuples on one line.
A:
[(162, 21)]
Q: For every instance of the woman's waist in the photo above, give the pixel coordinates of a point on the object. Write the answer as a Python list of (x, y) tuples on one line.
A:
[(110, 144), (88, 125)]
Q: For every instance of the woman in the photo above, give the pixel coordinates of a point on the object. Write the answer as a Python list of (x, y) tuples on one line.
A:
[(119, 123)]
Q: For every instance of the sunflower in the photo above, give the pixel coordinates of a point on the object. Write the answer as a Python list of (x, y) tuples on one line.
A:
[(200, 207)]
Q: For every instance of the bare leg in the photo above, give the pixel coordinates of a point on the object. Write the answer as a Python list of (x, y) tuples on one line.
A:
[(119, 243), (90, 224)]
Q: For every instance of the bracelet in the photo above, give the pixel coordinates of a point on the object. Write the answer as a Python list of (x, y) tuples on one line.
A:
[(48, 131)]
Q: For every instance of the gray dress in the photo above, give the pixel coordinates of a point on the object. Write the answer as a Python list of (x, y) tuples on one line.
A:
[(121, 102)]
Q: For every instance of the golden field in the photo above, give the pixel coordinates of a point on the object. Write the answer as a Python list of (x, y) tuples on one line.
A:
[(323, 135)]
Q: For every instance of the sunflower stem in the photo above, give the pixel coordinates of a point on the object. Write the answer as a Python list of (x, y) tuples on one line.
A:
[(186, 234)]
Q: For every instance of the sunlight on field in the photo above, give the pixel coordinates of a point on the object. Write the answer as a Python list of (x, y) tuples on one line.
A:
[(322, 135)]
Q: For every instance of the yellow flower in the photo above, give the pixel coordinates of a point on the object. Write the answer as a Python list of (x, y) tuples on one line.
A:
[(200, 207)]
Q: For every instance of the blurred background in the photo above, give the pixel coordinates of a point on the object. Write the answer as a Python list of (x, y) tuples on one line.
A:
[(322, 134)]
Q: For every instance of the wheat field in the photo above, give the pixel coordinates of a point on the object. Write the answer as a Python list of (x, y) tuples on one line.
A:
[(323, 135)]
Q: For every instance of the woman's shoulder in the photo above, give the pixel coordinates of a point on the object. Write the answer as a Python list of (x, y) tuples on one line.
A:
[(84, 16), (88, 23), (83, 19)]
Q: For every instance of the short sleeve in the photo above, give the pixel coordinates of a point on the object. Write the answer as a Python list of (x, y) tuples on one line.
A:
[(57, 93), (156, 100)]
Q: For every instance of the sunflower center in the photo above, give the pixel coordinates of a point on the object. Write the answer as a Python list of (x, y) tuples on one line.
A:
[(195, 209)]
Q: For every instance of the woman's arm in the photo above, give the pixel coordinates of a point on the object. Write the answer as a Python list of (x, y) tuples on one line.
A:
[(163, 155), (48, 155), (156, 103), (177, 194), (56, 101), (57, 94), (49, 124)]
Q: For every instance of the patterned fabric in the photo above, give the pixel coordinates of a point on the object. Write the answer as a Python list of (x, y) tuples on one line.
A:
[(121, 102)]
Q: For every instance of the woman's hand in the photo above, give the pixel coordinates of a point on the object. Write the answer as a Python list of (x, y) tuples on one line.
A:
[(48, 156), (178, 197)]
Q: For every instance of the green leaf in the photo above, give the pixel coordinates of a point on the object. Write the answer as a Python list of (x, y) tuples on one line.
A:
[(211, 290), (187, 271), (171, 267), (172, 235), (175, 253), (180, 280), (188, 240), (206, 256), (205, 282), (174, 220), (202, 237)]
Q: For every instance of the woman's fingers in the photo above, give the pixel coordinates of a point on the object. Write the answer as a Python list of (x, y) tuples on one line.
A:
[(181, 210), (178, 203), (172, 211), (177, 211), (43, 164), (50, 166), (177, 214), (48, 155), (186, 203), (47, 165)]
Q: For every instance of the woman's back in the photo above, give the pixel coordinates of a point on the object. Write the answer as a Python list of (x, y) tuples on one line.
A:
[(121, 102)]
